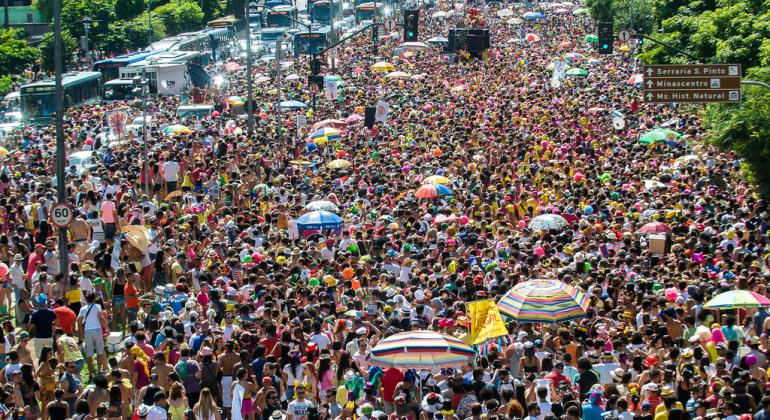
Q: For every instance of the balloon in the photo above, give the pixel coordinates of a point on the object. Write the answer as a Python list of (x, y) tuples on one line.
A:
[(348, 273), (89, 141), (578, 176), (358, 70), (437, 152), (428, 107), (215, 114)]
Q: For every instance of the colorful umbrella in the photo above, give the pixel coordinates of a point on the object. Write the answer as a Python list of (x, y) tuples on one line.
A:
[(577, 72), (235, 100), (432, 191), (573, 56), (319, 220), (354, 313), (322, 205), (591, 38), (442, 218), (398, 75), (326, 133), (532, 37), (545, 300), (339, 164), (421, 349), (654, 227), (658, 135), (533, 15), (437, 179), (735, 299), (292, 104), (635, 79), (382, 66), (548, 222), (177, 129)]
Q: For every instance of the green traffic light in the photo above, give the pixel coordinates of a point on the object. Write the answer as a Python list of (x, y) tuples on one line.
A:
[(411, 34), (605, 46)]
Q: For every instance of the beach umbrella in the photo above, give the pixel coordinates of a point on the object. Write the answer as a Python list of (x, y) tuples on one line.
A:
[(735, 299), (300, 162), (573, 56), (533, 15), (421, 349), (339, 164), (650, 184), (504, 13), (177, 129), (577, 72), (382, 66), (531, 37), (544, 300), (432, 191), (330, 123), (319, 220), (686, 160), (235, 100), (635, 79), (654, 227), (414, 46), (437, 179), (322, 205), (262, 79), (442, 218), (591, 38), (548, 222), (293, 76), (514, 21), (579, 11), (398, 75), (438, 40), (292, 104), (327, 133), (658, 135), (232, 66)]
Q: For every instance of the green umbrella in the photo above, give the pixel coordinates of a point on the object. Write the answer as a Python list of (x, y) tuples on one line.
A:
[(577, 72), (591, 38), (658, 135)]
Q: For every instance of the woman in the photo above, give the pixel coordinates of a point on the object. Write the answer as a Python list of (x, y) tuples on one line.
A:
[(326, 380), (206, 408), (177, 402), (310, 380), (30, 390), (57, 409), (140, 370), (115, 410), (293, 373), (244, 393), (529, 363), (45, 373)]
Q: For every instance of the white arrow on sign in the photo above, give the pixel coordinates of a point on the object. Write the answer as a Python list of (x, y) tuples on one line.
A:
[(649, 84), (649, 71), (649, 96)]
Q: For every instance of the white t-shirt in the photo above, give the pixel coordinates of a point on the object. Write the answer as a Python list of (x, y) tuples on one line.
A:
[(322, 340), (157, 413), (92, 322), (299, 408), (170, 171)]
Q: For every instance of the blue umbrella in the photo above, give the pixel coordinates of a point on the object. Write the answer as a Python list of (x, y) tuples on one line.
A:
[(319, 220), (533, 15), (292, 104), (443, 190)]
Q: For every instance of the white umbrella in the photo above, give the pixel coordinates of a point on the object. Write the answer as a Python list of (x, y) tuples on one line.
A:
[(514, 21), (398, 75), (293, 77), (686, 160), (442, 14), (504, 13), (322, 205), (547, 222), (414, 46)]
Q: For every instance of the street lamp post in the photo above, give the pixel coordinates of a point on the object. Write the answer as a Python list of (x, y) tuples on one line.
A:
[(256, 9), (143, 84), (278, 47), (87, 21), (61, 193), (149, 25)]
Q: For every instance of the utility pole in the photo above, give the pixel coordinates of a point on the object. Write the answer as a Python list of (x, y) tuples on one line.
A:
[(249, 87), (149, 26), (145, 90), (278, 47), (61, 185)]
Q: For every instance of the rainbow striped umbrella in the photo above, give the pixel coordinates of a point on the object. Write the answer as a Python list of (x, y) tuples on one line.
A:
[(421, 349), (326, 133), (544, 300), (737, 299), (432, 191)]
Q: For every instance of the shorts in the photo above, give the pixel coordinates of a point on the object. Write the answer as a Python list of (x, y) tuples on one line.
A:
[(109, 231), (40, 343), (118, 301), (93, 342)]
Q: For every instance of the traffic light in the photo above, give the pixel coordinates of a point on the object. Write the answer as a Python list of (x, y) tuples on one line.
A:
[(606, 37), (315, 66), (411, 21)]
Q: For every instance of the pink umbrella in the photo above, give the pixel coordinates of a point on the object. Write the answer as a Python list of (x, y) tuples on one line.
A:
[(444, 219), (654, 227), (232, 66), (338, 124), (262, 79), (636, 79), (531, 37), (353, 118), (566, 44)]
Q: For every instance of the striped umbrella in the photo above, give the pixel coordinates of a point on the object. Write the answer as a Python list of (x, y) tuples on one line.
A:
[(546, 300), (432, 191), (437, 179), (327, 133), (735, 299), (421, 349), (177, 129)]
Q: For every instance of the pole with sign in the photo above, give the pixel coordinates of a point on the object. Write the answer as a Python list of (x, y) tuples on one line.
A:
[(693, 83)]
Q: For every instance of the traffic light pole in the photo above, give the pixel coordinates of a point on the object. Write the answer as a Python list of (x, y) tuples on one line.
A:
[(686, 54)]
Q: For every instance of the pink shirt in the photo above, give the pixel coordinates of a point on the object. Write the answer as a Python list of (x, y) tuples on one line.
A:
[(108, 211)]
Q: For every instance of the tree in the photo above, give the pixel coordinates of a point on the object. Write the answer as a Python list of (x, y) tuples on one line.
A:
[(128, 9), (637, 15), (180, 17), (15, 52), (743, 128), (45, 7), (211, 9), (601, 10), (69, 46), (74, 11)]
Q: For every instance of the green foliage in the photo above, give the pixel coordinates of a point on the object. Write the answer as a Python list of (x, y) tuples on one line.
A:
[(601, 10), (128, 9), (45, 7), (74, 11), (15, 53), (211, 9), (743, 129), (180, 17), (69, 46), (6, 83), (638, 15)]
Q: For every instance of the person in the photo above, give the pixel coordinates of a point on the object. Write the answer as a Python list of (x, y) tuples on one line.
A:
[(68, 350), (206, 407), (177, 402), (299, 407), (90, 321), (42, 323), (158, 409), (108, 212), (189, 373), (57, 409), (244, 393), (72, 387)]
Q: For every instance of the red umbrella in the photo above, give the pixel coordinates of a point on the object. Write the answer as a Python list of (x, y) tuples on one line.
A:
[(635, 79), (654, 227)]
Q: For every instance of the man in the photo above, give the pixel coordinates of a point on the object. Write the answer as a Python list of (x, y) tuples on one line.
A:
[(71, 385), (170, 171), (764, 412), (298, 408), (162, 369), (109, 217), (190, 374), (22, 349), (42, 322), (65, 317), (90, 322), (148, 392), (586, 377), (225, 367), (158, 409), (68, 350)]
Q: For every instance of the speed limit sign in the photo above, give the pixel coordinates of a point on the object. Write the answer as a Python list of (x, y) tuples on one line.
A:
[(61, 215)]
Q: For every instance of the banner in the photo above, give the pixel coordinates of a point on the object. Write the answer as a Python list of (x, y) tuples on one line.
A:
[(382, 111), (486, 321), (331, 90)]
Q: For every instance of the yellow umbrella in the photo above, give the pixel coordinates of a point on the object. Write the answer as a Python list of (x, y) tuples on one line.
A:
[(300, 162), (382, 66), (437, 179), (339, 164), (4, 152), (173, 194), (624, 48)]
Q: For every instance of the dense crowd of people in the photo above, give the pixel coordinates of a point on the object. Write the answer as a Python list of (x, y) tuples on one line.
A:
[(202, 298)]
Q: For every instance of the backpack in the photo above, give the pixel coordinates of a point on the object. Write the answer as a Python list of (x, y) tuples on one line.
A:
[(181, 369)]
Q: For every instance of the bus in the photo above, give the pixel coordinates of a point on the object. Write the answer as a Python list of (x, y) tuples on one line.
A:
[(232, 23), (269, 36), (306, 42), (110, 68), (188, 41), (365, 11), (221, 41), (283, 16), (38, 99), (322, 11)]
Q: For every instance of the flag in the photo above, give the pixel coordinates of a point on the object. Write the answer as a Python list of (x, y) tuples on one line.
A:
[(486, 321)]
